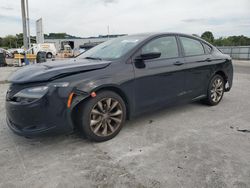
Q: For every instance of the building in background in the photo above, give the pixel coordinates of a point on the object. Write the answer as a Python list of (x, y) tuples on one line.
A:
[(77, 43), (39, 31)]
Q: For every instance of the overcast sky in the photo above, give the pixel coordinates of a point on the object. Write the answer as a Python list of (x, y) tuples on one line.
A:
[(91, 17)]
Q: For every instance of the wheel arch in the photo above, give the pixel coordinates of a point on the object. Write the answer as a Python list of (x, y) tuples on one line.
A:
[(222, 74), (118, 91)]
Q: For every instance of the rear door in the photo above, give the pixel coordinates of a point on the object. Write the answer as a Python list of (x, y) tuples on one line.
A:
[(197, 63), (159, 81)]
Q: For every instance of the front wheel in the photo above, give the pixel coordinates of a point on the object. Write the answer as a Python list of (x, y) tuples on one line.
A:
[(102, 117), (215, 90)]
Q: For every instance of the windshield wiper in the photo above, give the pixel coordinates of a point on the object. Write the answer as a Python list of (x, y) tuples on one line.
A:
[(94, 58)]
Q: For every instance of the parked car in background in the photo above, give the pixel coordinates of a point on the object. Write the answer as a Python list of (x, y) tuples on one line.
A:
[(114, 81), (6, 53), (2, 57), (14, 51)]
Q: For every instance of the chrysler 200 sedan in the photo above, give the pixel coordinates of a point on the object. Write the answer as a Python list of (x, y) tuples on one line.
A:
[(114, 81)]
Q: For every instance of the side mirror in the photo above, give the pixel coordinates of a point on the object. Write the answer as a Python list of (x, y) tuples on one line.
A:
[(152, 55)]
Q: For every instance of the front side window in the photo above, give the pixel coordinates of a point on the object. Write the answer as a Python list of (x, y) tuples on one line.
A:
[(167, 46), (191, 46)]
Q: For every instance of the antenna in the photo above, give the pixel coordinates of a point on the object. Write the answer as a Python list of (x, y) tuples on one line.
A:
[(108, 32)]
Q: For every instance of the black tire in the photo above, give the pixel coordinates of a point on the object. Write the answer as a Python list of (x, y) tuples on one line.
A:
[(49, 55), (214, 97), (86, 115)]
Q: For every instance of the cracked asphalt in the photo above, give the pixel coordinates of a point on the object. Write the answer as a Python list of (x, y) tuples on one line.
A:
[(192, 145)]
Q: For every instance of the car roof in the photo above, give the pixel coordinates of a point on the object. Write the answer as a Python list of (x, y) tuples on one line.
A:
[(155, 34)]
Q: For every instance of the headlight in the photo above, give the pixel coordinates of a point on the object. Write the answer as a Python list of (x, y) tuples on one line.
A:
[(31, 94), (60, 84)]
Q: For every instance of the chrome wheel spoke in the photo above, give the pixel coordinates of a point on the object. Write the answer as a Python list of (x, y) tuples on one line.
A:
[(94, 122), (212, 96), (96, 111), (108, 101), (219, 83), (110, 127), (97, 128), (216, 97), (113, 106), (105, 128), (115, 119), (100, 105), (219, 92), (116, 113)]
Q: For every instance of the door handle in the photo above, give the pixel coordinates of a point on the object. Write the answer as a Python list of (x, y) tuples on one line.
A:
[(178, 63), (208, 60)]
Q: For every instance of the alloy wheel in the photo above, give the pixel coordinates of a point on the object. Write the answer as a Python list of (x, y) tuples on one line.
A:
[(217, 90), (106, 117)]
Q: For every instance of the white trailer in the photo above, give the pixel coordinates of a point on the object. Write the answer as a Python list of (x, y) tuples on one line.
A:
[(49, 48)]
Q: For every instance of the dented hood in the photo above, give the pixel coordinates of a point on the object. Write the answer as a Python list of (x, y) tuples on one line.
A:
[(53, 70)]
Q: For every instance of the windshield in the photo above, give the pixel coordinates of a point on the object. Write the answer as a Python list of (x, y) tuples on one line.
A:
[(112, 49)]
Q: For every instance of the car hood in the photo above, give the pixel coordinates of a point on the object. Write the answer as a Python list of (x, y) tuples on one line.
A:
[(53, 70)]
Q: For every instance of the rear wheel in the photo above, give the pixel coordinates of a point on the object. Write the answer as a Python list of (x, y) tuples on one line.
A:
[(102, 117), (215, 90), (49, 55)]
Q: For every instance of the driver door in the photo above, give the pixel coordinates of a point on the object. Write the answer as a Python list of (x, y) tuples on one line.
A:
[(159, 81)]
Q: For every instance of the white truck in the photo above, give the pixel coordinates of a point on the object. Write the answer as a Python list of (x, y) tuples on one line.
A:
[(49, 48)]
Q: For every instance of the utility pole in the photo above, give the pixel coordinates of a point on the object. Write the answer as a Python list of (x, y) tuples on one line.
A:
[(28, 23), (25, 39)]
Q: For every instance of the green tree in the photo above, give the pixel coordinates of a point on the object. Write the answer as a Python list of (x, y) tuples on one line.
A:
[(19, 40), (232, 41), (56, 35), (1, 41), (9, 41), (208, 36)]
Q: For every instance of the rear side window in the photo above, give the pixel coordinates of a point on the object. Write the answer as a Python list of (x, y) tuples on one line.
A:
[(208, 49), (167, 46), (192, 46)]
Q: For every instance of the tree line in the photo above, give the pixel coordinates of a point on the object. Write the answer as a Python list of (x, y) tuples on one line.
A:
[(226, 41), (16, 41)]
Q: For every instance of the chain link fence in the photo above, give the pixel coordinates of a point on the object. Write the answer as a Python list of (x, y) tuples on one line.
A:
[(236, 52)]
